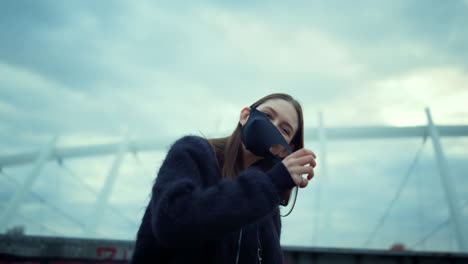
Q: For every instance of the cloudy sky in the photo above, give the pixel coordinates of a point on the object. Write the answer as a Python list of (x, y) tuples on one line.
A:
[(87, 71)]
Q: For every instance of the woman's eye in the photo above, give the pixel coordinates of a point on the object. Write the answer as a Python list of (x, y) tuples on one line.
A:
[(286, 131), (267, 114)]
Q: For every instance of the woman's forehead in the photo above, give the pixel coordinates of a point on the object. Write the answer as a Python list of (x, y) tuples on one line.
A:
[(284, 109)]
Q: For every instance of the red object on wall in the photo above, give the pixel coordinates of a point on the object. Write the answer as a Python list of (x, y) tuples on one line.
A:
[(398, 247)]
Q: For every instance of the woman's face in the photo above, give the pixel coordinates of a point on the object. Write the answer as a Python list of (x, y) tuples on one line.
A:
[(282, 114)]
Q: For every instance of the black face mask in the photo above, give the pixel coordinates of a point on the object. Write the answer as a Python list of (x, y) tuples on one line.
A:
[(259, 135)]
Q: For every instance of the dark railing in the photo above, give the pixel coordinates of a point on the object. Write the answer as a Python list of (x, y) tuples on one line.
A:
[(58, 250)]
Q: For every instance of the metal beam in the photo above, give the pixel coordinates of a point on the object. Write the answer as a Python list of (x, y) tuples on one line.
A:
[(460, 233), (334, 133), (21, 193), (84, 151), (379, 132), (106, 191)]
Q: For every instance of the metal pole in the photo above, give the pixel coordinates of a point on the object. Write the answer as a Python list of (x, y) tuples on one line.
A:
[(323, 147), (21, 193), (322, 137), (106, 190), (447, 184)]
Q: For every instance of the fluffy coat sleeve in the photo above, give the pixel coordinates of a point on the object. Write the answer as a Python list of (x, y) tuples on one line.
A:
[(185, 211)]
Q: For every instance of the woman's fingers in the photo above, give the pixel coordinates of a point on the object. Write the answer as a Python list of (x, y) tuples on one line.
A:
[(309, 159), (300, 170), (304, 183), (302, 152), (301, 162)]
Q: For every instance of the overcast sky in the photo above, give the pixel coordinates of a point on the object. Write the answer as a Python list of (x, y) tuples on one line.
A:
[(88, 71)]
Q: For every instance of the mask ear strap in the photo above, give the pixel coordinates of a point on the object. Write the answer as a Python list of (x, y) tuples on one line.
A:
[(294, 203)]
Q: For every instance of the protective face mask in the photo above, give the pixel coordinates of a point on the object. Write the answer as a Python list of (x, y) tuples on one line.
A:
[(259, 135)]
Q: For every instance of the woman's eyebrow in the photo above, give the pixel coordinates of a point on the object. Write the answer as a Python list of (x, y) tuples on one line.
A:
[(272, 110), (276, 114)]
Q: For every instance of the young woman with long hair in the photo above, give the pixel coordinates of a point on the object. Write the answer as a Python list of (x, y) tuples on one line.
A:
[(217, 200)]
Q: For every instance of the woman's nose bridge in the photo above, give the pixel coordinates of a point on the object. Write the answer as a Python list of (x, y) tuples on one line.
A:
[(276, 123)]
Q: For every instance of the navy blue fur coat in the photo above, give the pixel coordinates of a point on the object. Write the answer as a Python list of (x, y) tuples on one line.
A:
[(196, 216)]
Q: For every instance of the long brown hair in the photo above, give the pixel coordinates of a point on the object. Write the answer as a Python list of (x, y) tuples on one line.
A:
[(228, 149)]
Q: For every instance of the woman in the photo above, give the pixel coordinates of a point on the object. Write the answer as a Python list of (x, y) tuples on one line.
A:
[(216, 200)]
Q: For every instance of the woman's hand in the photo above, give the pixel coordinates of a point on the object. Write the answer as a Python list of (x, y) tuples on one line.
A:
[(299, 163)]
